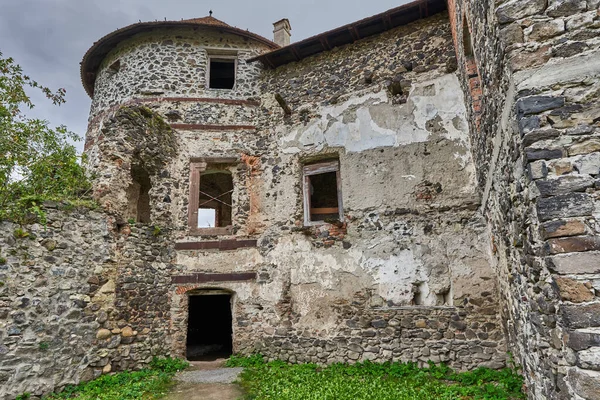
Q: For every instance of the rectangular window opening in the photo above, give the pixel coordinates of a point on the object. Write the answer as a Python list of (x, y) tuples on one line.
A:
[(322, 193), (211, 197), (221, 73)]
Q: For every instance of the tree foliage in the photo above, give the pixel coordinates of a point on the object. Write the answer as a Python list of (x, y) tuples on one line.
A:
[(37, 162)]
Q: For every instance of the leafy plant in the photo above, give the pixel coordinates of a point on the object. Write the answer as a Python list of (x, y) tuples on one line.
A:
[(242, 361), (38, 162), (19, 233), (156, 231), (3, 261), (23, 396), (44, 346), (367, 380), (147, 384), (168, 364)]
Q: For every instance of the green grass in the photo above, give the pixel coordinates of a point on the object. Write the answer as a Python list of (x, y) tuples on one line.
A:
[(147, 384), (369, 381)]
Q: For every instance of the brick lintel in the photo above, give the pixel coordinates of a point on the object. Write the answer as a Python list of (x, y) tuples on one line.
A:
[(205, 277), (230, 244), (213, 127)]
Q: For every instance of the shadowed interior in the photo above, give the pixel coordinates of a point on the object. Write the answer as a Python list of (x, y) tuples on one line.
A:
[(209, 333)]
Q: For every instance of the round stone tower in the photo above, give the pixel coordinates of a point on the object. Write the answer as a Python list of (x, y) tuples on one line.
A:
[(151, 78), (171, 146)]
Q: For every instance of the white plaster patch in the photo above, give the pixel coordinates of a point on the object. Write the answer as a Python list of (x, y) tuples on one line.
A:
[(369, 121), (394, 276)]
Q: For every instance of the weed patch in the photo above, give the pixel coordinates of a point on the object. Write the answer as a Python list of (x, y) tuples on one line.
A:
[(147, 384), (370, 381)]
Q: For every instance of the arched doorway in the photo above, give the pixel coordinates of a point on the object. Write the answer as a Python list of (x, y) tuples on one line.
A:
[(210, 327)]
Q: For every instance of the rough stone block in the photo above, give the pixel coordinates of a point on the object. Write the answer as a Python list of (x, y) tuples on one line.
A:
[(561, 167), (569, 49), (103, 334), (543, 154), (572, 69), (564, 206), (525, 60), (517, 9), (539, 134), (564, 185), (578, 263), (537, 104), (581, 315), (574, 244), (574, 291), (528, 124), (562, 8), (589, 359), (582, 339), (586, 147), (588, 164), (537, 170), (585, 383), (541, 31), (512, 34), (563, 228)]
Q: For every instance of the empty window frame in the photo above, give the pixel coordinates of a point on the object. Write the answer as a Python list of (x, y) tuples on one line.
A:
[(221, 72), (211, 197), (138, 195), (322, 192)]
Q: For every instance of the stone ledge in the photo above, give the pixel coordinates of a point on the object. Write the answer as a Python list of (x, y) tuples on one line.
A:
[(203, 277), (231, 244), (202, 127), (575, 263)]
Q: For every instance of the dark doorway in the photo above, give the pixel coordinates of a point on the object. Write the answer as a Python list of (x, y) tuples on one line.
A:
[(209, 333)]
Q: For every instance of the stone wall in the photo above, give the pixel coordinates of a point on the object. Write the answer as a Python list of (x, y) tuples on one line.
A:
[(447, 335), (537, 63), (172, 63), (47, 325), (79, 298)]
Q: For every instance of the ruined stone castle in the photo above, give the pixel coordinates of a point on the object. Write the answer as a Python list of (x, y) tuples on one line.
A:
[(418, 185)]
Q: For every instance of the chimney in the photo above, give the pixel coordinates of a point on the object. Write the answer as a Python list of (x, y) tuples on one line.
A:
[(281, 32)]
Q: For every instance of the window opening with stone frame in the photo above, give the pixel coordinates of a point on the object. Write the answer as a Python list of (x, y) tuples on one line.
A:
[(221, 72), (211, 197), (322, 192)]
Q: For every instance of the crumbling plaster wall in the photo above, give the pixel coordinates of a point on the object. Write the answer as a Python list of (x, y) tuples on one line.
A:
[(411, 235), (537, 169), (407, 187)]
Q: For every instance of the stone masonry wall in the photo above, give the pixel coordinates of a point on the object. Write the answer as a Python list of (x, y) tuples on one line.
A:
[(78, 298), (173, 63), (539, 125)]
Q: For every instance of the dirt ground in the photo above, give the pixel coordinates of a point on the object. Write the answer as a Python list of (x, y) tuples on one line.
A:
[(206, 381)]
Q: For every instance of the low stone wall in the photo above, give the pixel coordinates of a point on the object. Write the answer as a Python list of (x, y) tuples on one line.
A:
[(78, 299), (450, 335), (46, 323)]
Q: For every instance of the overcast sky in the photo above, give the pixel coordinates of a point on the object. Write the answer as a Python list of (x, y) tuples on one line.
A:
[(48, 38)]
